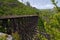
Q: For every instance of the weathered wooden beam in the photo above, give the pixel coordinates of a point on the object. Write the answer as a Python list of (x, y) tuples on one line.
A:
[(16, 16)]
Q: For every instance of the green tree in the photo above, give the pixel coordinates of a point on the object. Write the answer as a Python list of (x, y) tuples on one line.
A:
[(27, 3), (54, 2)]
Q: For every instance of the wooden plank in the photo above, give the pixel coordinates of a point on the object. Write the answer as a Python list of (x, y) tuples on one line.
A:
[(15, 16)]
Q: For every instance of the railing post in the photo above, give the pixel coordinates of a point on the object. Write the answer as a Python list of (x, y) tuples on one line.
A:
[(5, 25)]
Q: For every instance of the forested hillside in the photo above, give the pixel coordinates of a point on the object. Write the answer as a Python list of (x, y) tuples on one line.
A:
[(14, 7)]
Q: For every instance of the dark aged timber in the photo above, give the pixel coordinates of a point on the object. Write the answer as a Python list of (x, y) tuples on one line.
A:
[(25, 25)]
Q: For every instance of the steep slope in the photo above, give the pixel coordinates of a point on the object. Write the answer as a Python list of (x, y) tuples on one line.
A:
[(14, 7)]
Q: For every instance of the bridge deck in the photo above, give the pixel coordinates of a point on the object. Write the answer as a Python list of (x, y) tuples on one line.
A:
[(16, 16)]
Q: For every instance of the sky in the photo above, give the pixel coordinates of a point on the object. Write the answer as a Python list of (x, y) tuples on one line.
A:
[(41, 4)]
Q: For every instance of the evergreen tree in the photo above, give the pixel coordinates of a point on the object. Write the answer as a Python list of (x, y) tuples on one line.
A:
[(27, 3)]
